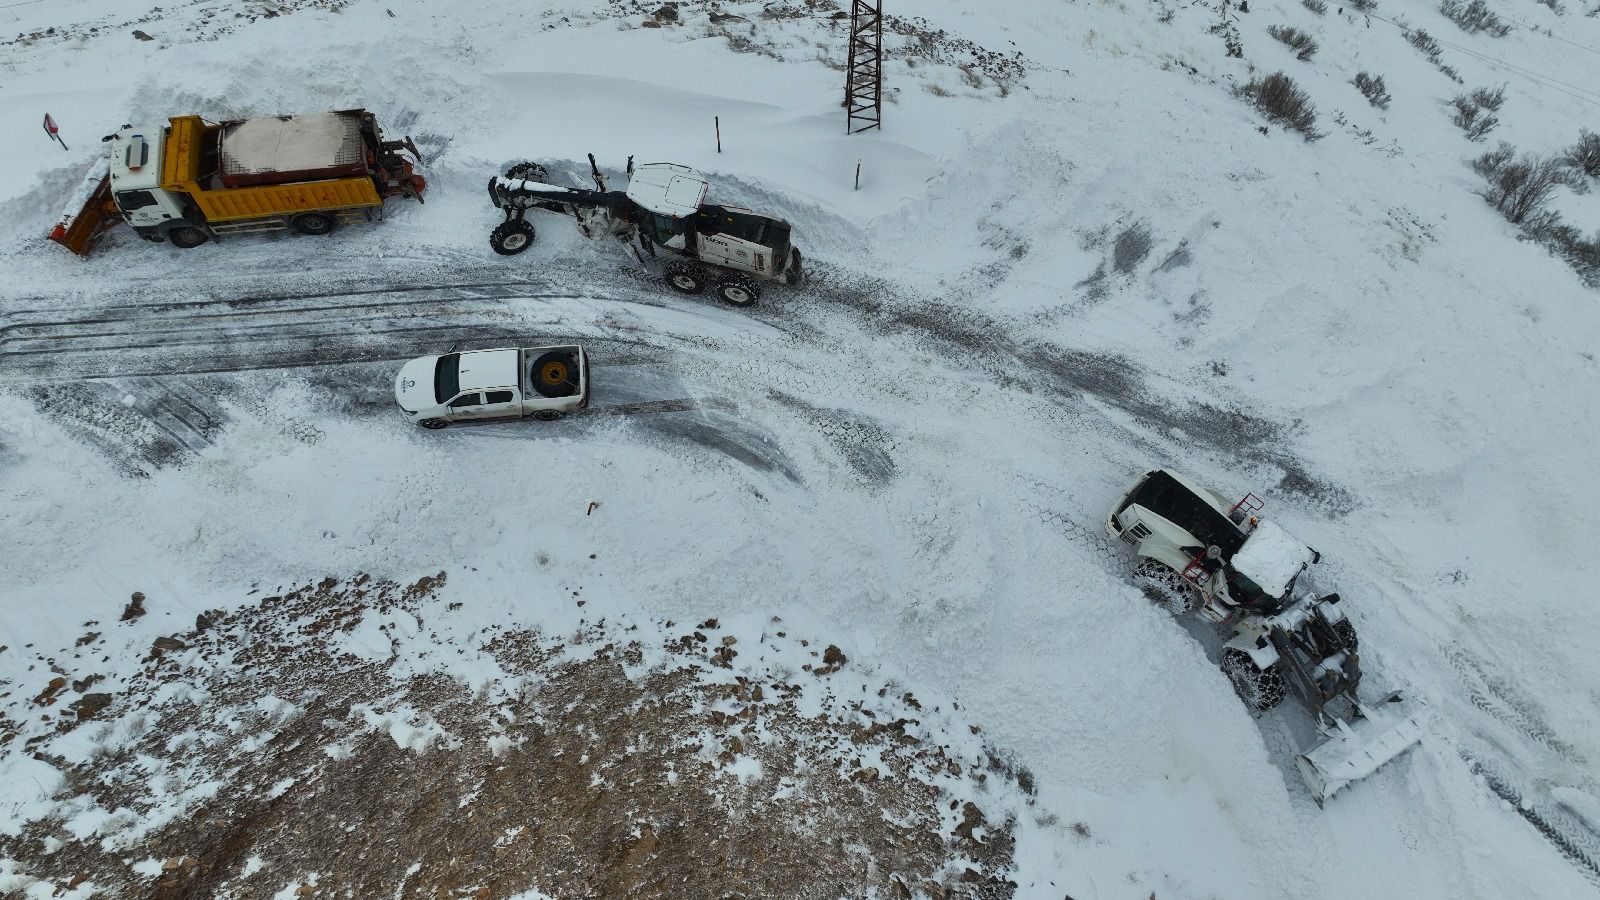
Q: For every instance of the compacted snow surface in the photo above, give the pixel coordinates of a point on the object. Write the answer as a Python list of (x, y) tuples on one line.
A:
[(1073, 256)]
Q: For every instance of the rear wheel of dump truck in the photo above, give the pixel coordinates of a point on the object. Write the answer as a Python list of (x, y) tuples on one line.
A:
[(1260, 689), (187, 236), (737, 290), (548, 415), (312, 223), (686, 277), (511, 237), (555, 374)]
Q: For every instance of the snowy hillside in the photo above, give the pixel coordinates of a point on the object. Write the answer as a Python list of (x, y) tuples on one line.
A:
[(814, 600)]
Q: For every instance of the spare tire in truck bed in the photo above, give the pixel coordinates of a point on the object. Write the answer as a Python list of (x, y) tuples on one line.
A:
[(555, 374)]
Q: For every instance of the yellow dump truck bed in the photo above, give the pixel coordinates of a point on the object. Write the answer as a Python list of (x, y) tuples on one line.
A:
[(189, 155)]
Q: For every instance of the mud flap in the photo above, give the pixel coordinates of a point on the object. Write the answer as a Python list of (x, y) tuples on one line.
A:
[(89, 213), (1356, 748)]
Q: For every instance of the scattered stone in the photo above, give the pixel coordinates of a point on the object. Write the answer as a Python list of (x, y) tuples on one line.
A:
[(83, 684), (141, 35), (971, 819), (48, 695), (833, 656), (135, 607), (729, 640), (89, 705), (866, 776), (89, 638), (166, 644), (708, 624)]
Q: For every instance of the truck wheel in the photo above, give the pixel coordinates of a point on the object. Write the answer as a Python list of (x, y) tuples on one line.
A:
[(737, 290), (312, 223), (187, 236), (528, 171), (1166, 587), (434, 424), (555, 374), (511, 237), (1260, 689), (686, 277), (548, 415)]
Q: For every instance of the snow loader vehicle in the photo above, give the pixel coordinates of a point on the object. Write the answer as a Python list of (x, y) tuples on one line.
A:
[(664, 206), (189, 181), (1198, 550)]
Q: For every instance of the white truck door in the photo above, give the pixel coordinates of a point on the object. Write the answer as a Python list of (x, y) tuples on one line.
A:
[(501, 403), (466, 406)]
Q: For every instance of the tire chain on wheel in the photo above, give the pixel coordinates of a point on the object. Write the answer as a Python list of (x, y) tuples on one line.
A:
[(1176, 594), (1260, 689)]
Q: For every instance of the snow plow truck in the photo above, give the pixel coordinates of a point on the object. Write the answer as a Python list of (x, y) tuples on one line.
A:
[(1196, 550), (189, 181)]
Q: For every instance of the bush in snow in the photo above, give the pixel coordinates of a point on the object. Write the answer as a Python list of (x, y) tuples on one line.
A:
[(1297, 40), (1316, 6), (1585, 154), (1277, 98), (1424, 41), (1520, 187), (1363, 5), (1474, 17), (1475, 111), (1371, 87)]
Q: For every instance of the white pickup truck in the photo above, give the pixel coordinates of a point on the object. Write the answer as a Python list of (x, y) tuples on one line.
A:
[(543, 382)]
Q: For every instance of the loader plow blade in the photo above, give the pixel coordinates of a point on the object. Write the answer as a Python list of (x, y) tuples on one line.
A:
[(89, 213), (1360, 746)]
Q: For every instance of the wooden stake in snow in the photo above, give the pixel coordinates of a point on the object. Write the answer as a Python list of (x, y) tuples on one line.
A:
[(54, 130), (858, 174), (717, 121)]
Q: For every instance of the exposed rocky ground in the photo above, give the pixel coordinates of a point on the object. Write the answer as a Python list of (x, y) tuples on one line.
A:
[(273, 748)]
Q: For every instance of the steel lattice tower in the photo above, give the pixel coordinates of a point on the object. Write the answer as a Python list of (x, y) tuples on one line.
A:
[(863, 86)]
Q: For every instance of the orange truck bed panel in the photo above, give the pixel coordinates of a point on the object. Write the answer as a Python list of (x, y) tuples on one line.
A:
[(286, 199)]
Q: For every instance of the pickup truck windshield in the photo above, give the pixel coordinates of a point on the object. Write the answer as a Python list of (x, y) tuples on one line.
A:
[(447, 378)]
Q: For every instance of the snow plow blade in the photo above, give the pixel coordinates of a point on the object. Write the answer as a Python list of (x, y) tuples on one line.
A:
[(90, 212), (1359, 747)]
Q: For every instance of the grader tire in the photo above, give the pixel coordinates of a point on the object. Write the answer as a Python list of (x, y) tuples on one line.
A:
[(737, 290), (686, 277), (511, 237), (1347, 634), (528, 171)]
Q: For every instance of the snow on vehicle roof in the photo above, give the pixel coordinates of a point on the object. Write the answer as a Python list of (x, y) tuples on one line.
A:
[(482, 369), (291, 143), (668, 188), (1271, 557)]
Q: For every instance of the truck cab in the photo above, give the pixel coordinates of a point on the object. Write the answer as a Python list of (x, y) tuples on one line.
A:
[(504, 383), (136, 158)]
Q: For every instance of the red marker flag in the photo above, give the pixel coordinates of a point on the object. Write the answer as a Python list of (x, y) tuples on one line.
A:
[(54, 130)]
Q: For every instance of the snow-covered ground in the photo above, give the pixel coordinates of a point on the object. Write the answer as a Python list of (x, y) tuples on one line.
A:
[(1056, 274)]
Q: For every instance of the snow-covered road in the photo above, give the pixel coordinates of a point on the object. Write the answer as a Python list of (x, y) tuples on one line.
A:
[(1033, 298)]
